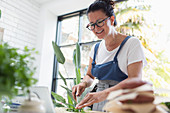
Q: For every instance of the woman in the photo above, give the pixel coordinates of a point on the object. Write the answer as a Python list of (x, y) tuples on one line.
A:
[(113, 61)]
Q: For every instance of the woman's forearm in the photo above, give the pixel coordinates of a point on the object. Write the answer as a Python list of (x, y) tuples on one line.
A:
[(128, 83), (133, 80), (88, 80)]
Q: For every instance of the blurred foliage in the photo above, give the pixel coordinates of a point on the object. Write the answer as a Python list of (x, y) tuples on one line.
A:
[(167, 104), (16, 70), (132, 17)]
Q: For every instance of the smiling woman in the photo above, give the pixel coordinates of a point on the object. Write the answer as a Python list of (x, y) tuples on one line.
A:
[(113, 61), (131, 21)]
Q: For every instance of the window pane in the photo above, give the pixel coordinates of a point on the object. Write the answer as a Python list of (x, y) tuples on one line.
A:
[(69, 31), (86, 48), (67, 70), (87, 35)]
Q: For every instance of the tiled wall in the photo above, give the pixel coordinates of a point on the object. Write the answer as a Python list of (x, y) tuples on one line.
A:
[(20, 19)]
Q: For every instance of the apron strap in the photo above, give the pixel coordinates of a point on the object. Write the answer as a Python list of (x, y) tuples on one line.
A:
[(95, 52), (115, 58), (124, 41)]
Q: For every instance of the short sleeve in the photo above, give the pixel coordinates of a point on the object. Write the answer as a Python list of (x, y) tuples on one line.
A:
[(136, 52)]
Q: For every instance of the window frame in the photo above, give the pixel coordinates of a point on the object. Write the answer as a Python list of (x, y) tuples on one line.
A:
[(79, 13)]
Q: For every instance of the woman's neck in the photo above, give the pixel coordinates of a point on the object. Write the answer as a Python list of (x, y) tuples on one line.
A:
[(112, 41)]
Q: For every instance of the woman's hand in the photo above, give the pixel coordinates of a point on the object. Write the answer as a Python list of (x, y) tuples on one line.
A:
[(97, 97), (77, 90), (92, 98)]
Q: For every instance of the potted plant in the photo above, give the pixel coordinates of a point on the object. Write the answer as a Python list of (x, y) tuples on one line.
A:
[(16, 70), (70, 103)]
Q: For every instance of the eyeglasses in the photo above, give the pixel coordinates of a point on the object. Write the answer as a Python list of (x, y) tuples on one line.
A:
[(99, 23)]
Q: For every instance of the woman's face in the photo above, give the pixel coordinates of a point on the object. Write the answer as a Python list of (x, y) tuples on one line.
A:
[(98, 16)]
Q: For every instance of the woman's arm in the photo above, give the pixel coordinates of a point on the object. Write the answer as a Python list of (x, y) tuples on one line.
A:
[(133, 80), (77, 90), (134, 71)]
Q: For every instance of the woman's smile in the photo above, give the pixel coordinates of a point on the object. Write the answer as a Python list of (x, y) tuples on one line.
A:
[(99, 32)]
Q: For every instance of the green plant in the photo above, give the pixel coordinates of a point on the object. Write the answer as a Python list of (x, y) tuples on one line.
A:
[(16, 70), (131, 17), (167, 104), (77, 63), (133, 20), (0, 13), (76, 60)]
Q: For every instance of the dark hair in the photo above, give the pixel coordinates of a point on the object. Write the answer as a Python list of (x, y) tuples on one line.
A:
[(106, 6)]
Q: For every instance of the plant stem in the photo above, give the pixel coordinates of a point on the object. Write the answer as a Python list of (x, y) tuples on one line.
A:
[(29, 95)]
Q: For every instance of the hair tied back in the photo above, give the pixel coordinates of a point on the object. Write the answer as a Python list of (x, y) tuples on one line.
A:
[(109, 2)]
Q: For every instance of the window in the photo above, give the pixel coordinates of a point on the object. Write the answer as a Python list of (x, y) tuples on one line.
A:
[(143, 20), (70, 30)]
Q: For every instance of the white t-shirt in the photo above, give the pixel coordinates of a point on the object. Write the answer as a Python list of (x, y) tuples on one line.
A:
[(131, 52)]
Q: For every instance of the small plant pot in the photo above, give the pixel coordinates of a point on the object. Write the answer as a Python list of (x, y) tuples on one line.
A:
[(32, 107)]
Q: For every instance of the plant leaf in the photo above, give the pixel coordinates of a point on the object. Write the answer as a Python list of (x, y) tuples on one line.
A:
[(59, 98), (168, 105), (64, 80), (66, 88), (69, 92), (74, 81), (57, 104), (74, 57), (78, 56), (0, 13), (70, 102), (58, 53), (78, 76)]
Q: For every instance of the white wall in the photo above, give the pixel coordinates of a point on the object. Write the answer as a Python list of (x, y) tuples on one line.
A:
[(20, 19), (28, 23), (47, 33), (60, 7)]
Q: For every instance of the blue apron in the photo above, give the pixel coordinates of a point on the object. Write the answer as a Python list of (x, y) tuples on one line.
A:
[(108, 74)]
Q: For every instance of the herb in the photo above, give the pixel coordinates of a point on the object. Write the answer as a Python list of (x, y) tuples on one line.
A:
[(71, 104), (167, 104), (16, 70)]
